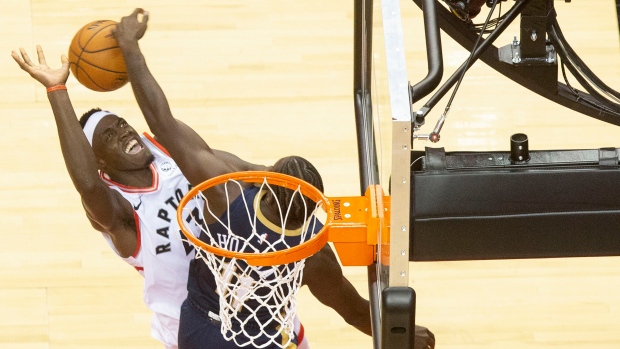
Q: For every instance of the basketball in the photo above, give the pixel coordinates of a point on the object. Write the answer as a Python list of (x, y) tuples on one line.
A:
[(95, 59)]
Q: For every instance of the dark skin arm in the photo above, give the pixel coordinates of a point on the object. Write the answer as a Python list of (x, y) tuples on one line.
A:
[(323, 276), (107, 210), (238, 163), (196, 159)]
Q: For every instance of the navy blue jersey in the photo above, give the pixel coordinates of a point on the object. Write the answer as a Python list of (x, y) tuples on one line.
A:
[(201, 284)]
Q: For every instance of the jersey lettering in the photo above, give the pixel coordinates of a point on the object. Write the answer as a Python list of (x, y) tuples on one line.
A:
[(186, 244), (166, 213), (162, 248), (163, 214), (178, 193), (163, 232), (193, 216), (228, 242), (171, 202)]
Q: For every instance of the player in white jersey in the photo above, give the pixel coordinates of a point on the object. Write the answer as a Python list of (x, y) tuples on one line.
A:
[(163, 257), (123, 180)]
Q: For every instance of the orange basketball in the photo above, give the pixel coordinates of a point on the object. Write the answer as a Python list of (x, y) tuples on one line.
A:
[(95, 59)]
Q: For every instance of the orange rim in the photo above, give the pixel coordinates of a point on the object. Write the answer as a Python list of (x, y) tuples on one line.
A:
[(293, 254)]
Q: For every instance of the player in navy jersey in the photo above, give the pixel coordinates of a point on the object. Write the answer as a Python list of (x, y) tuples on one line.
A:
[(200, 326), (198, 161)]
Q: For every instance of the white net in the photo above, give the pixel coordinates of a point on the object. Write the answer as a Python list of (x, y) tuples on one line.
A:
[(257, 303)]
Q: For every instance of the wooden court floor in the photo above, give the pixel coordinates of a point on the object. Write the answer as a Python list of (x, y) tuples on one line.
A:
[(264, 80)]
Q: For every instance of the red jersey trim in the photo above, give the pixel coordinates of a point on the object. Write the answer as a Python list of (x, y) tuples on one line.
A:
[(301, 334), (156, 143), (104, 177), (138, 236)]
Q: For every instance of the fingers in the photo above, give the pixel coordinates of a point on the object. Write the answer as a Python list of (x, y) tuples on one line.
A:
[(16, 56), (65, 63), (23, 60), (137, 11), (425, 339), (25, 57), (135, 16), (145, 17), (140, 11), (41, 55), (65, 68), (19, 60), (431, 339)]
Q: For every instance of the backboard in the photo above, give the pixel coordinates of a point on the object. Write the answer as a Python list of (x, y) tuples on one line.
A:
[(383, 114)]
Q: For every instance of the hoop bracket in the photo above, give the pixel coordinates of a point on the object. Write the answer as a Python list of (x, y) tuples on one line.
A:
[(356, 223)]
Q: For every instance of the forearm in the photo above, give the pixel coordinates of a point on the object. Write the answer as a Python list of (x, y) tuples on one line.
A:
[(77, 152), (236, 163), (357, 314), (323, 276), (362, 321), (344, 299), (105, 211), (364, 327), (149, 95)]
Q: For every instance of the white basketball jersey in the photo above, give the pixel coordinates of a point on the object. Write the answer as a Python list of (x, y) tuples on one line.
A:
[(162, 257)]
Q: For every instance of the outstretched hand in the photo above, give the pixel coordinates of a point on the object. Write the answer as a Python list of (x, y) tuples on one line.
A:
[(130, 28), (42, 72), (424, 338)]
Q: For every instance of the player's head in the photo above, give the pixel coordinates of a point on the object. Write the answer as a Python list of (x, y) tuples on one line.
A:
[(301, 168), (117, 146)]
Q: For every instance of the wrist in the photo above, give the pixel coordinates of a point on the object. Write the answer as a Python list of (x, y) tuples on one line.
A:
[(56, 88), (127, 44)]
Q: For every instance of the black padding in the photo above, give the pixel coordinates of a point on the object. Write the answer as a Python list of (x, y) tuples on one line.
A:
[(398, 317), (560, 204)]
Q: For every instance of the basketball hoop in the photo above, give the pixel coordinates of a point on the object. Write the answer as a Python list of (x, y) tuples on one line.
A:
[(264, 178), (258, 269)]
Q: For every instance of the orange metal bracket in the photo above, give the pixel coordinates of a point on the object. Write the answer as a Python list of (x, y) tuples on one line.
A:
[(357, 223)]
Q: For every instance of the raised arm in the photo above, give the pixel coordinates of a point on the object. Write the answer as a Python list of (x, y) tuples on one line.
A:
[(107, 211), (196, 159)]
